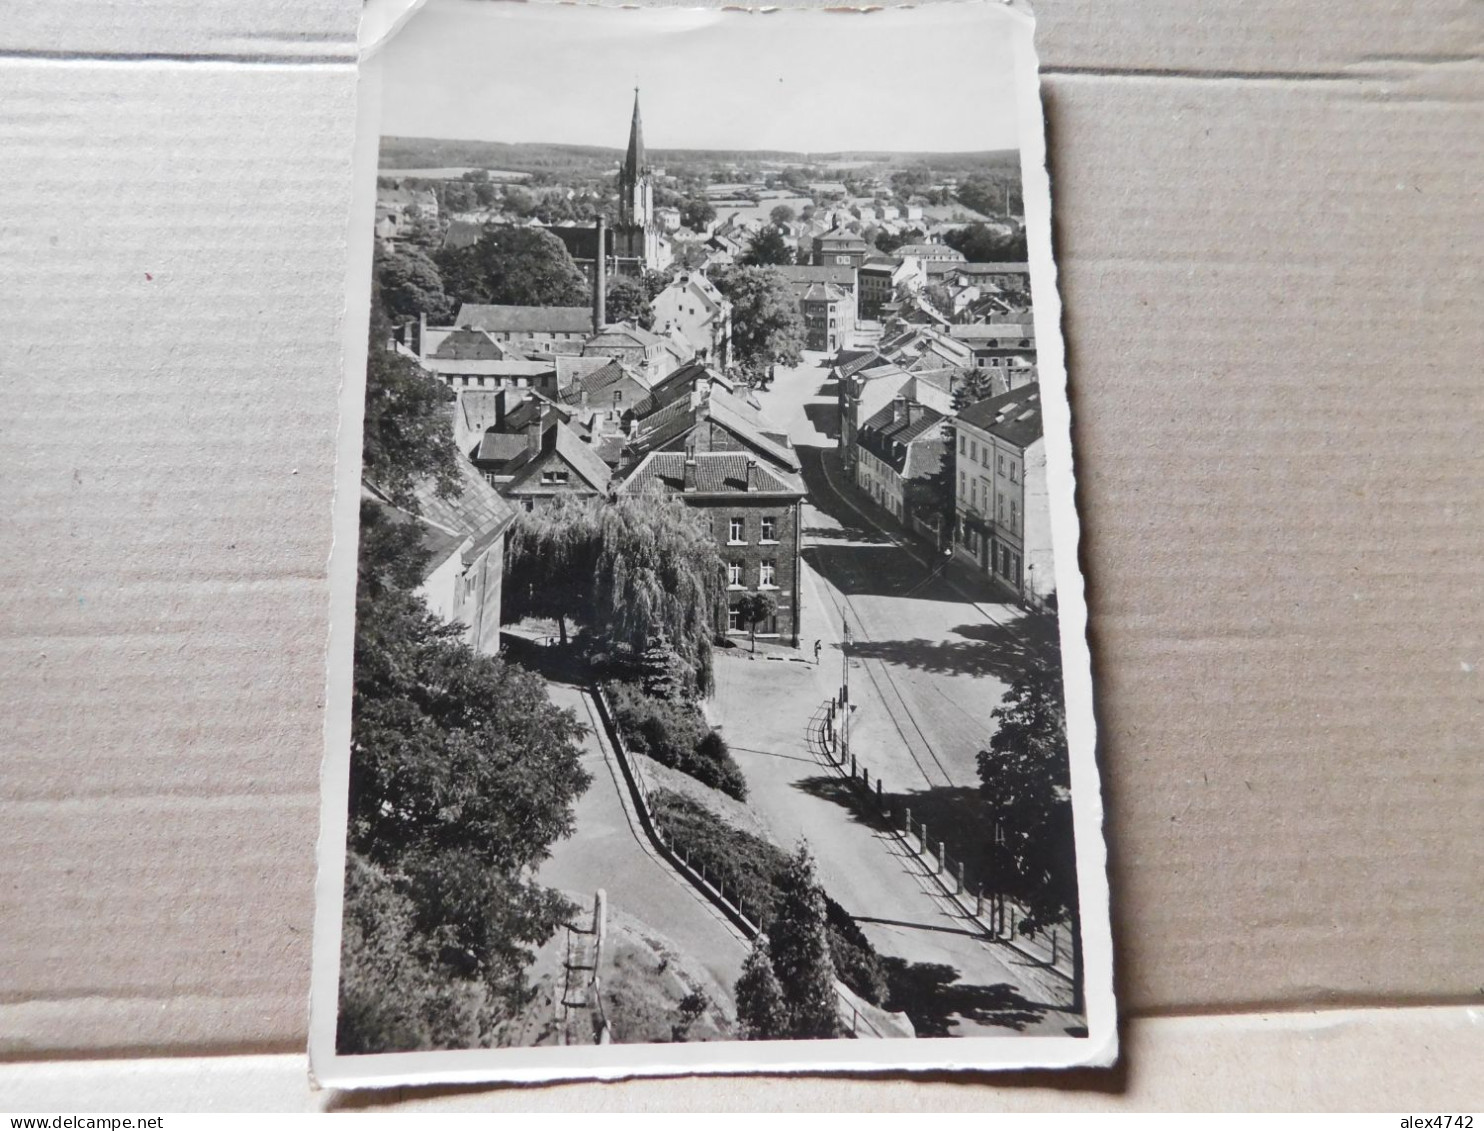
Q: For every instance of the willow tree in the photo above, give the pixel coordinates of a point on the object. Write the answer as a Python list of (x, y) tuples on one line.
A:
[(630, 570)]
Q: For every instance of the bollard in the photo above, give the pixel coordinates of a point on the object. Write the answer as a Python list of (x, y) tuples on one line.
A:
[(1053, 946), (922, 836), (907, 818), (852, 765), (880, 804), (960, 890), (979, 902), (942, 859), (865, 777)]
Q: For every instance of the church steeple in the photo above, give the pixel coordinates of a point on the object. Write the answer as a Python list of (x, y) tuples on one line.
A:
[(635, 163), (635, 192)]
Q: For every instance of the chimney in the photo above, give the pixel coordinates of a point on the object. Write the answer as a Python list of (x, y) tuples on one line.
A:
[(898, 409), (501, 400), (422, 335), (583, 401), (600, 279), (533, 437), (690, 472), (752, 475)]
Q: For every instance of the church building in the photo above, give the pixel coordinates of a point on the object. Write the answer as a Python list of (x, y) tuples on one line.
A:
[(638, 237)]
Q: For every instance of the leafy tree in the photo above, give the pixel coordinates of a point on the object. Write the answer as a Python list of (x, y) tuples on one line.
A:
[(887, 242), (628, 301), (1026, 779), (407, 434), (767, 328), (760, 1006), (696, 213), (987, 193), (627, 569), (515, 266), (768, 249), (411, 285), (799, 946), (982, 244), (905, 182), (752, 610), (782, 215), (462, 776)]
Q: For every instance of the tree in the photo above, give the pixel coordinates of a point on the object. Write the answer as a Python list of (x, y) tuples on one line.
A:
[(514, 266), (767, 328), (628, 570), (411, 285), (628, 301), (760, 1006), (406, 436), (799, 946), (662, 671), (768, 249), (887, 242), (980, 243), (462, 776), (908, 181), (989, 193), (697, 213), (782, 215), (753, 609), (1025, 777)]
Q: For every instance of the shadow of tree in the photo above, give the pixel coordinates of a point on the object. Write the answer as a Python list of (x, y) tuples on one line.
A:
[(1001, 651), (932, 996)]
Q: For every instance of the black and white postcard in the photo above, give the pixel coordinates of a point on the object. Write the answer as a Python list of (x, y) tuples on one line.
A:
[(709, 688)]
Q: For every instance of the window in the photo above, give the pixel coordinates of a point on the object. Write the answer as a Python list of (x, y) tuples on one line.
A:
[(963, 445), (1014, 515), (618, 396), (1000, 465), (734, 621), (973, 452), (734, 574), (1015, 569), (737, 531), (1012, 472), (766, 572), (962, 483), (770, 528), (1002, 508), (549, 477)]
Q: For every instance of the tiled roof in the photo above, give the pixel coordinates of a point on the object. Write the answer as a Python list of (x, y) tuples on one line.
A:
[(931, 250), (500, 447), (824, 292), (570, 368), (715, 473), (463, 344), (574, 452), (1014, 416), (1009, 335), (526, 319), (892, 440), (995, 268), (730, 412), (624, 336), (597, 381), (802, 274), (477, 512)]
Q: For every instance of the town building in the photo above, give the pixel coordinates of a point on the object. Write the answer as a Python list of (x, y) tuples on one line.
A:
[(554, 462), (998, 345), (840, 248), (752, 507), (931, 253), (829, 317), (691, 307), (640, 350), (864, 389), (464, 541), (539, 327), (1001, 504), (878, 280), (898, 450)]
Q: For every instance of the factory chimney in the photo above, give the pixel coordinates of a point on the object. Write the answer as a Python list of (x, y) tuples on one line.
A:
[(600, 279)]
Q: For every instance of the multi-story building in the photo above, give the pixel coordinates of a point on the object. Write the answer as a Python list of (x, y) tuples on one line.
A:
[(998, 345), (840, 248), (1000, 495), (752, 507), (693, 308), (829, 317), (900, 446), (537, 327)]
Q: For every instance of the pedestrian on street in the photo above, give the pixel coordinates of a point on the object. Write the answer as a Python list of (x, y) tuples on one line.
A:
[(816, 652)]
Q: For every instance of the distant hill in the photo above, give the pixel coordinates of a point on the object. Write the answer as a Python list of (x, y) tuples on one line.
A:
[(539, 157)]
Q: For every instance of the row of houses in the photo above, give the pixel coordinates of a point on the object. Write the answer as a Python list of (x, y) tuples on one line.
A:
[(951, 451)]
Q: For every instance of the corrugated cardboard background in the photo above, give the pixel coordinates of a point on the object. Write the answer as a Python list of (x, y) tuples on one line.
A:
[(1271, 238)]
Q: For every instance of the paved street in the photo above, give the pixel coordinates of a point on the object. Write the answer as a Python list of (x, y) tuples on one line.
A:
[(607, 851), (930, 661)]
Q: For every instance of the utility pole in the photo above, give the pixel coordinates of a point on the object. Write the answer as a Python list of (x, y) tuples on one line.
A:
[(846, 640)]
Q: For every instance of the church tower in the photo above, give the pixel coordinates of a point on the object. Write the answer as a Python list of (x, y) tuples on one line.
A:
[(635, 191), (637, 241)]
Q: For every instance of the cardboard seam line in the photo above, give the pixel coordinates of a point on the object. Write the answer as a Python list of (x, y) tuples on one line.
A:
[(1403, 70), (348, 58)]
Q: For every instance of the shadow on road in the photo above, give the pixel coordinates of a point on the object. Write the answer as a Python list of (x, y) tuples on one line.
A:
[(1003, 651), (824, 417), (931, 995)]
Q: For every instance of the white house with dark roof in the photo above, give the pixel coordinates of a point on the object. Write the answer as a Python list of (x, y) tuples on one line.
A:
[(1000, 494), (464, 540), (691, 307), (900, 446)]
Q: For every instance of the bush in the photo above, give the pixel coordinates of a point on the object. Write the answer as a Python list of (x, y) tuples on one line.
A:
[(750, 866), (674, 733)]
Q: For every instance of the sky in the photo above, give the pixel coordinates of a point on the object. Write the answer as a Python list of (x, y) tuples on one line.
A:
[(933, 79)]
